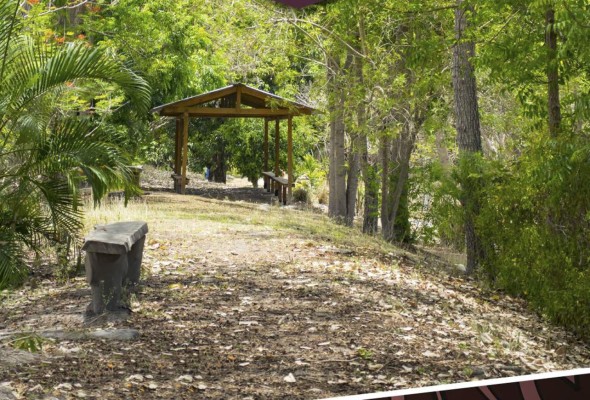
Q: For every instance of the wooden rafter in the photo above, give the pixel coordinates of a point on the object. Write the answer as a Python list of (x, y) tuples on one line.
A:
[(231, 101)]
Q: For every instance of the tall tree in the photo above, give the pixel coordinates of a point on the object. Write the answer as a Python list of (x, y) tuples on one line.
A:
[(337, 206), (367, 166), (468, 128)]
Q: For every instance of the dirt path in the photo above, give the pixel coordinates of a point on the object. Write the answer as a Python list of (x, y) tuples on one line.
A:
[(248, 301)]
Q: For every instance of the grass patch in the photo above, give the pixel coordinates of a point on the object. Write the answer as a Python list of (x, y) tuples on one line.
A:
[(164, 209)]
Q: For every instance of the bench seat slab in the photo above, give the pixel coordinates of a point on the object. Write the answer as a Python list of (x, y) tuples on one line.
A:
[(117, 238)]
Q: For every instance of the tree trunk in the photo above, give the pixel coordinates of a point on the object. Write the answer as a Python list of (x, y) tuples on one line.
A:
[(370, 179), (219, 170), (554, 107), (358, 142), (371, 182), (337, 173), (352, 184), (395, 213), (468, 129), (384, 153), (369, 171)]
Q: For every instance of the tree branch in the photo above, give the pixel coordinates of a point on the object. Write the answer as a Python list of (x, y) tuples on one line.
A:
[(69, 7)]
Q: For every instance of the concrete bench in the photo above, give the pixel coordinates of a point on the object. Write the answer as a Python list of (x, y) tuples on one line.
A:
[(278, 185), (113, 261)]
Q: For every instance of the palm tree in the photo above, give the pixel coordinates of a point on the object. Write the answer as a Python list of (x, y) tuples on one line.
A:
[(44, 152)]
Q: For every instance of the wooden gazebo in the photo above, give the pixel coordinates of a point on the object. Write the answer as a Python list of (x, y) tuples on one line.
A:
[(235, 101)]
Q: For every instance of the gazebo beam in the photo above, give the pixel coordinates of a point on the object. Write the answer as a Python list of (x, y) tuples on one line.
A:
[(230, 112), (200, 99)]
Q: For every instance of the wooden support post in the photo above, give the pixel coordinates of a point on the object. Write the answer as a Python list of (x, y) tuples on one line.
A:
[(277, 148), (266, 180), (185, 121), (178, 148), (290, 160), (177, 155)]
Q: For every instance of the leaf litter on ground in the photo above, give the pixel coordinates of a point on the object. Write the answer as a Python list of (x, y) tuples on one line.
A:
[(310, 311)]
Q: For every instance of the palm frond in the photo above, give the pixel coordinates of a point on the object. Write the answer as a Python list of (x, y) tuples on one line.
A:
[(78, 147), (33, 73), (44, 154), (8, 26), (12, 268)]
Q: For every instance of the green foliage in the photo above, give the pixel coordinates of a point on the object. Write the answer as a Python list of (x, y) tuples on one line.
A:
[(301, 194), (245, 143), (168, 41), (536, 225), (516, 57), (313, 170), (158, 151), (240, 141), (439, 212), (32, 343), (311, 181), (365, 354), (45, 152), (534, 221)]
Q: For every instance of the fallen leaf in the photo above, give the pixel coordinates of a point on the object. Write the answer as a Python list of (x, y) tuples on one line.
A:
[(185, 378), (136, 377), (63, 386), (248, 323)]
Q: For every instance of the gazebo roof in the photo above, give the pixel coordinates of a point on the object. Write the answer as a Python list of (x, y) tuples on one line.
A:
[(237, 100)]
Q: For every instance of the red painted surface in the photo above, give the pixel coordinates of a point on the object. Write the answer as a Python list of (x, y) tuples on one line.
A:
[(567, 388)]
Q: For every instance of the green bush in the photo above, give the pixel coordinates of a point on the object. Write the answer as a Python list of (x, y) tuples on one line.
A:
[(535, 224), (533, 220), (300, 194), (442, 217)]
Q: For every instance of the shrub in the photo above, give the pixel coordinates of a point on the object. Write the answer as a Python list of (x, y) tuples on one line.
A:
[(535, 224), (300, 194)]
